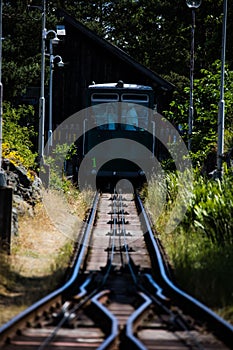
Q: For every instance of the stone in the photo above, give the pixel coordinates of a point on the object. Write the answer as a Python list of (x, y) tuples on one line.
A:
[(26, 193)]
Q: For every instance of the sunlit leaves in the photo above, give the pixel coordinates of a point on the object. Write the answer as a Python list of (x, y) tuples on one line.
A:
[(206, 106), (17, 139)]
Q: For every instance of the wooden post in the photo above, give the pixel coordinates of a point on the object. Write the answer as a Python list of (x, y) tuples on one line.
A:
[(6, 195)]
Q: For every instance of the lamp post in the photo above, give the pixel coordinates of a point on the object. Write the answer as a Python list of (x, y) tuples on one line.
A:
[(51, 66), (2, 175), (42, 96), (61, 31), (0, 85), (192, 4), (55, 40), (221, 111)]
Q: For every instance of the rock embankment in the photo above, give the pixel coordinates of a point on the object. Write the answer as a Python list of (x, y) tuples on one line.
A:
[(27, 191)]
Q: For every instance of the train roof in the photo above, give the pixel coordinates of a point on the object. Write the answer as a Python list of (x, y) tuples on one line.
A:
[(120, 85)]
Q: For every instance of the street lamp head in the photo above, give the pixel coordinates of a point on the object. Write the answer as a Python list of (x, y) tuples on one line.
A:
[(193, 4), (61, 64), (55, 40)]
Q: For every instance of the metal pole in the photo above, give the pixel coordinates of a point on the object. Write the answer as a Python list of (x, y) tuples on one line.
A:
[(191, 109), (50, 141), (2, 174), (221, 111), (42, 97), (1, 87)]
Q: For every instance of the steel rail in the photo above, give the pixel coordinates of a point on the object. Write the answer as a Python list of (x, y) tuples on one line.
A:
[(112, 240), (159, 290), (149, 299), (55, 296), (94, 298), (222, 328), (138, 313), (176, 318), (66, 314), (114, 323), (135, 317), (126, 245)]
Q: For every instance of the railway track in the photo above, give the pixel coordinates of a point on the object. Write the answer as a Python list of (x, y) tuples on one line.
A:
[(119, 295)]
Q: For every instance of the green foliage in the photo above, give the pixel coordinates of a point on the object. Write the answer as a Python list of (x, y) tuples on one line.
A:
[(56, 161), (17, 139), (200, 248), (21, 58), (211, 209), (167, 197), (156, 33), (202, 269), (63, 258), (206, 100), (210, 204)]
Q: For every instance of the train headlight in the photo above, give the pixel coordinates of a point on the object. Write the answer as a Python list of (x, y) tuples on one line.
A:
[(141, 173), (93, 172)]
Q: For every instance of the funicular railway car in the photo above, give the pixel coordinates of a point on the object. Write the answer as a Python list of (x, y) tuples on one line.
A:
[(118, 134)]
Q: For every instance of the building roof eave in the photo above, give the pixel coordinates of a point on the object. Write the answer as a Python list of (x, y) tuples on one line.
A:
[(158, 81)]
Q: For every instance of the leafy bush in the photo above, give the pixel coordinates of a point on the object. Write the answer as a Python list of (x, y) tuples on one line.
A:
[(210, 205), (17, 139), (206, 101), (56, 161)]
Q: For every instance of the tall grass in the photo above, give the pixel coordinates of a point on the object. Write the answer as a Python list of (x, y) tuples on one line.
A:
[(200, 247), (211, 209)]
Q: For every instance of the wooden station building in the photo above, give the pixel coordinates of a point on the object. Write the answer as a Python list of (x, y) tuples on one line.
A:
[(88, 58)]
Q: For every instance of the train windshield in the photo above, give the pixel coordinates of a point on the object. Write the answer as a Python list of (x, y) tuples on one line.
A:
[(134, 117), (105, 116), (128, 116), (131, 115)]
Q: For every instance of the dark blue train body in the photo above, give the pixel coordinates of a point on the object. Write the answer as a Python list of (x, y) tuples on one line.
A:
[(118, 139)]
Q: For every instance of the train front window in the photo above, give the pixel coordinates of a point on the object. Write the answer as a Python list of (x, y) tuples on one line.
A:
[(100, 97), (105, 116), (104, 110), (134, 117), (142, 99), (132, 113)]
